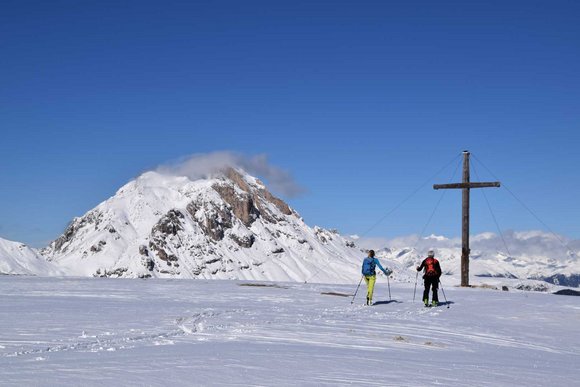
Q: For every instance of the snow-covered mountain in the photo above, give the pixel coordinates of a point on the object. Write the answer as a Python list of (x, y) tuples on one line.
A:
[(226, 226), (18, 259)]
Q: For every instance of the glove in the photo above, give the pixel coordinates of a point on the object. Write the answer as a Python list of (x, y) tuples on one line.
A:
[(388, 272), (418, 268)]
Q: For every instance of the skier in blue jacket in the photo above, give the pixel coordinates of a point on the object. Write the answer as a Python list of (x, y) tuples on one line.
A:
[(368, 271)]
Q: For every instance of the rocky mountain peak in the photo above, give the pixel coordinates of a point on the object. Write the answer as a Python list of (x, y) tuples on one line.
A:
[(224, 226), (249, 198)]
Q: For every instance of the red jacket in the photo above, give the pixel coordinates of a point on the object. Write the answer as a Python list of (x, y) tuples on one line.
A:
[(431, 266)]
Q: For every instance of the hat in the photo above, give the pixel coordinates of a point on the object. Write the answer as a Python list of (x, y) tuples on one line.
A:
[(431, 253)]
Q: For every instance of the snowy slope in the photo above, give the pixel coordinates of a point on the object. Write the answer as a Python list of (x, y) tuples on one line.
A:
[(95, 332), (18, 259), (226, 226)]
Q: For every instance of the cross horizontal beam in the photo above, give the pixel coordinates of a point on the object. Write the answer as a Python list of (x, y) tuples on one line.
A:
[(467, 185)]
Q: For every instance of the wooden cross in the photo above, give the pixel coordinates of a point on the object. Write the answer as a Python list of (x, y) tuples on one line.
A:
[(466, 185)]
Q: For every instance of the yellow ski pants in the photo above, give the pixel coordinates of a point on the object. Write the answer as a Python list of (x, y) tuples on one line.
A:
[(370, 280)]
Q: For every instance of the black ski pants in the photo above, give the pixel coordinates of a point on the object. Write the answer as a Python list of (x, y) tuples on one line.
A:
[(431, 282)]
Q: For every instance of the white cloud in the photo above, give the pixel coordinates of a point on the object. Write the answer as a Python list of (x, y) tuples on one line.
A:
[(200, 166)]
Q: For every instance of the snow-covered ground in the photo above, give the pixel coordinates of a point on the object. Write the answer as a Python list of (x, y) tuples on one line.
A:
[(123, 332)]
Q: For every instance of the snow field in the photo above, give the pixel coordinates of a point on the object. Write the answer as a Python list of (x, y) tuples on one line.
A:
[(92, 332)]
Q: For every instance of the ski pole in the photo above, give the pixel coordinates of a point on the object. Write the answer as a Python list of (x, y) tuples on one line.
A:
[(356, 291), (389, 285), (443, 290), (415, 290)]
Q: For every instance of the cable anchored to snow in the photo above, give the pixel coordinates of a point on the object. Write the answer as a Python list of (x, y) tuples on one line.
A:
[(564, 243), (389, 213), (493, 215)]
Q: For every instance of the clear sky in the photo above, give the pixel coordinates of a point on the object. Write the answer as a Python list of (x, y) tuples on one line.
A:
[(360, 101)]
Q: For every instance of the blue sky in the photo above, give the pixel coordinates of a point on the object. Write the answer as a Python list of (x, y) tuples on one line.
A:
[(360, 101)]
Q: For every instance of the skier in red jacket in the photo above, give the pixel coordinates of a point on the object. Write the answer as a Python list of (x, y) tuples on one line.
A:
[(431, 277)]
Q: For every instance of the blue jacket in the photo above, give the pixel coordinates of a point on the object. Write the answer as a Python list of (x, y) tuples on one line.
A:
[(376, 261)]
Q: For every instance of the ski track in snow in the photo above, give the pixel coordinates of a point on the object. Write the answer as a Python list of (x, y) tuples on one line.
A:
[(113, 341)]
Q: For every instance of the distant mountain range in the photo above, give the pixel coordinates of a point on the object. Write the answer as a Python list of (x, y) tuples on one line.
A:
[(529, 255), (228, 225)]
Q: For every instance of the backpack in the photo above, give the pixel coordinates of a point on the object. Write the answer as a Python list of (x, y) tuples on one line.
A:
[(368, 267), (430, 267)]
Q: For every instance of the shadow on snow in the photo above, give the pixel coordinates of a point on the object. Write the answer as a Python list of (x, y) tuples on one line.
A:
[(387, 302)]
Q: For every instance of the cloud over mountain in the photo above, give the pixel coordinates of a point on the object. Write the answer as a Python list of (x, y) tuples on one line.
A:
[(203, 165)]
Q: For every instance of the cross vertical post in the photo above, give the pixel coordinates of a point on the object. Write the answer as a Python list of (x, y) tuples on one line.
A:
[(465, 186), (465, 223)]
